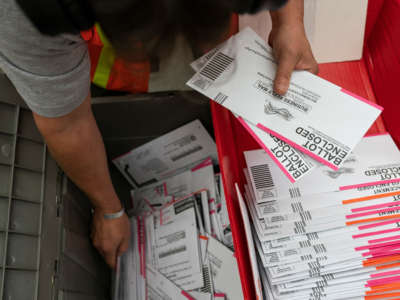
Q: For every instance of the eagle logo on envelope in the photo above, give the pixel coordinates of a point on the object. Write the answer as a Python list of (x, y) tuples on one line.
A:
[(269, 109), (336, 174)]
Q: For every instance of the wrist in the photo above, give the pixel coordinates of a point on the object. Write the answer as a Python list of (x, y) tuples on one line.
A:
[(110, 206), (292, 14), (113, 216)]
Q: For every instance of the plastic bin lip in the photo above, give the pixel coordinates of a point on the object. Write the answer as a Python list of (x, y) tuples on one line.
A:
[(147, 96)]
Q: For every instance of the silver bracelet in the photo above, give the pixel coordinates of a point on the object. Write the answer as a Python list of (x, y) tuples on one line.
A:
[(114, 215)]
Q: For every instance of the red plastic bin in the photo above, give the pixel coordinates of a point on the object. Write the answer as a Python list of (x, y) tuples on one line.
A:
[(375, 77)]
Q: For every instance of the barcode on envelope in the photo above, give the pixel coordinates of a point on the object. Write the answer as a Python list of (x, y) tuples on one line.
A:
[(186, 153), (216, 66), (211, 53), (220, 98), (201, 83), (294, 192), (207, 283), (173, 251), (262, 177)]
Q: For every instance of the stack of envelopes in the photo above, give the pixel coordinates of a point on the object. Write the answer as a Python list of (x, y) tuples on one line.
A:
[(322, 197), (334, 235), (181, 245)]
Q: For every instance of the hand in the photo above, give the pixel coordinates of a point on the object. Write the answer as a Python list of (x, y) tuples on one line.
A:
[(110, 237), (292, 52)]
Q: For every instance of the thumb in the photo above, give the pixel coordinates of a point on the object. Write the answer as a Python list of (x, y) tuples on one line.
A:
[(286, 65)]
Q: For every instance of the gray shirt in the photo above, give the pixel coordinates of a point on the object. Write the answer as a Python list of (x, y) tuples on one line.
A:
[(52, 74)]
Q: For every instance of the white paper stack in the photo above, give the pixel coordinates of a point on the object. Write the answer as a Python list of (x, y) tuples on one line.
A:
[(332, 235), (181, 246)]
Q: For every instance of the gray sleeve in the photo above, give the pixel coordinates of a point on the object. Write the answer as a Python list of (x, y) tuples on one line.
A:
[(52, 74)]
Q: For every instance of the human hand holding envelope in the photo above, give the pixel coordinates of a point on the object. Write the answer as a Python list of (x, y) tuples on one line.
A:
[(315, 116)]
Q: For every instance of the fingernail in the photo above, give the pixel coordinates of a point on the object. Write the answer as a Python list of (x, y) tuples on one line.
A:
[(280, 89)]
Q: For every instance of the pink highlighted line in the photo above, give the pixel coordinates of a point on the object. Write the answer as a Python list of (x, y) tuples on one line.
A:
[(219, 295), (184, 293), (258, 140), (165, 189), (358, 209), (203, 164), (382, 251), (362, 235), (385, 254), (378, 224), (372, 212), (293, 144), (375, 246), (389, 238), (389, 273), (383, 281), (349, 187), (362, 99)]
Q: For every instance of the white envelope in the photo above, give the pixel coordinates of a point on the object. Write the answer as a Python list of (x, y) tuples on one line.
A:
[(200, 296), (170, 154), (250, 244), (291, 161), (178, 252), (223, 215), (225, 270), (160, 288), (315, 116), (376, 160), (133, 266), (203, 178)]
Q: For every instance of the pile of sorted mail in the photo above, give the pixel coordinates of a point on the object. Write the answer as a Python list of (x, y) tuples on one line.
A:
[(331, 235), (323, 199), (181, 246)]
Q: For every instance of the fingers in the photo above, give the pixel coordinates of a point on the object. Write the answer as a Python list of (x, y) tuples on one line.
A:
[(314, 67), (110, 256), (286, 64), (123, 247), (111, 237), (308, 64)]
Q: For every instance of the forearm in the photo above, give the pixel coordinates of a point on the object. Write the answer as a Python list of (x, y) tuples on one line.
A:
[(79, 150), (291, 14)]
